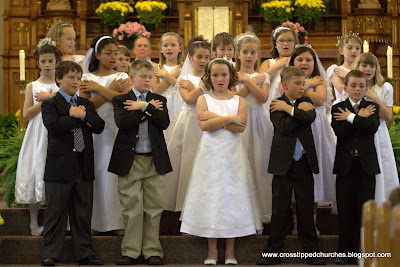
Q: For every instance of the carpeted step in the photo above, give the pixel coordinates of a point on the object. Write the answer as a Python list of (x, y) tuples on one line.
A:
[(177, 249), (17, 222)]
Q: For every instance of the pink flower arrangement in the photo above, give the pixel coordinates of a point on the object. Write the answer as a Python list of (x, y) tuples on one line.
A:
[(129, 31), (301, 32)]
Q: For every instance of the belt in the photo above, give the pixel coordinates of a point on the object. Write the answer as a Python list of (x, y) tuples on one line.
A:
[(148, 154)]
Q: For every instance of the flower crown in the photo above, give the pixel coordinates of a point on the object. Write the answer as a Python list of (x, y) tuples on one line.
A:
[(46, 41), (339, 38)]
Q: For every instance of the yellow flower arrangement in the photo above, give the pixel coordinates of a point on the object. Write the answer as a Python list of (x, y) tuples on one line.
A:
[(277, 11), (309, 11), (150, 12), (1, 220), (114, 13), (396, 109)]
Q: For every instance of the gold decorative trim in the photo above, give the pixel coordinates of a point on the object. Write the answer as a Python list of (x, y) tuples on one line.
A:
[(196, 21), (34, 34), (230, 21), (394, 33)]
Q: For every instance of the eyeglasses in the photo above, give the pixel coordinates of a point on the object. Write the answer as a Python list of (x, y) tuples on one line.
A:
[(289, 41)]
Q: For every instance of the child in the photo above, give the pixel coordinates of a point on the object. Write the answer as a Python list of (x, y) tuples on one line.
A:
[(70, 120), (223, 45), (292, 161), (219, 190), (355, 122), (349, 48), (381, 93), (100, 86), (29, 186), (283, 41), (166, 73), (139, 157), (254, 87), (142, 48), (123, 59), (64, 35), (315, 87), (186, 134)]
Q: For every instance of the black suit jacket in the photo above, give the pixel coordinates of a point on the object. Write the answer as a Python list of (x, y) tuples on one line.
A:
[(128, 134), (286, 130), (359, 135), (62, 161)]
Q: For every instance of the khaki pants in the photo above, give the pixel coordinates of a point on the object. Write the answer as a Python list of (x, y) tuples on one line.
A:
[(140, 193)]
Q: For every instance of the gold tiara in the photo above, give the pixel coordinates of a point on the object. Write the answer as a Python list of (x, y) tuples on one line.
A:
[(339, 38)]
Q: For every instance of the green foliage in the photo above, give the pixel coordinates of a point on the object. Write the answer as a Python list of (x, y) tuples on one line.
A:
[(9, 152), (309, 11), (7, 123), (150, 12), (394, 132)]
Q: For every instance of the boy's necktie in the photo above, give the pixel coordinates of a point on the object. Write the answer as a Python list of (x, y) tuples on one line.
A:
[(297, 149), (143, 127), (356, 107), (79, 143)]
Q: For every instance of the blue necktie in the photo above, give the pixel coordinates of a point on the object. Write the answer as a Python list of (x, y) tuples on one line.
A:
[(297, 149)]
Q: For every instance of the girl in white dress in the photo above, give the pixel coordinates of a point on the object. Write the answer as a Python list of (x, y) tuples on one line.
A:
[(166, 73), (257, 137), (218, 201), (64, 35), (29, 184), (315, 87), (100, 85), (283, 41), (381, 93), (349, 48), (185, 133)]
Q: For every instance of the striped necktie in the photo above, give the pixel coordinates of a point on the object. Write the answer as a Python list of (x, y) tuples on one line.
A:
[(79, 143)]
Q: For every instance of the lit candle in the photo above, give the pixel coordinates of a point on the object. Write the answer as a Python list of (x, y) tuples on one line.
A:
[(389, 54), (365, 46), (21, 65)]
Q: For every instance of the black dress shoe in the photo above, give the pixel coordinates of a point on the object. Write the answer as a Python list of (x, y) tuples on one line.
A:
[(269, 261), (154, 260), (90, 260), (125, 260), (48, 262), (315, 261)]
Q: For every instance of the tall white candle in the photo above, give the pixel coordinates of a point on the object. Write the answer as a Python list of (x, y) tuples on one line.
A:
[(21, 65), (365, 47), (389, 54)]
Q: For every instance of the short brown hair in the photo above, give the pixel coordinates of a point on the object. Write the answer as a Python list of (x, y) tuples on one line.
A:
[(273, 53), (233, 77), (140, 64), (222, 39), (141, 36), (123, 51), (288, 72), (356, 74), (197, 42), (64, 67)]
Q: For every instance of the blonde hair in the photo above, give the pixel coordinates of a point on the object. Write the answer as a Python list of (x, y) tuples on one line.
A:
[(139, 64), (273, 53), (371, 59), (288, 72), (55, 31), (180, 42), (240, 40)]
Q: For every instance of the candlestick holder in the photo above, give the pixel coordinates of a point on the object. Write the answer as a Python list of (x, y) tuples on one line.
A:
[(22, 88)]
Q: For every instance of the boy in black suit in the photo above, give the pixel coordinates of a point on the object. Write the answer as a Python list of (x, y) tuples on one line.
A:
[(355, 122), (69, 173), (139, 157), (292, 161)]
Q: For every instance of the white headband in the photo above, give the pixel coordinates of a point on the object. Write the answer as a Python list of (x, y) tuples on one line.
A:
[(101, 39), (246, 35), (303, 45), (278, 30), (220, 58)]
